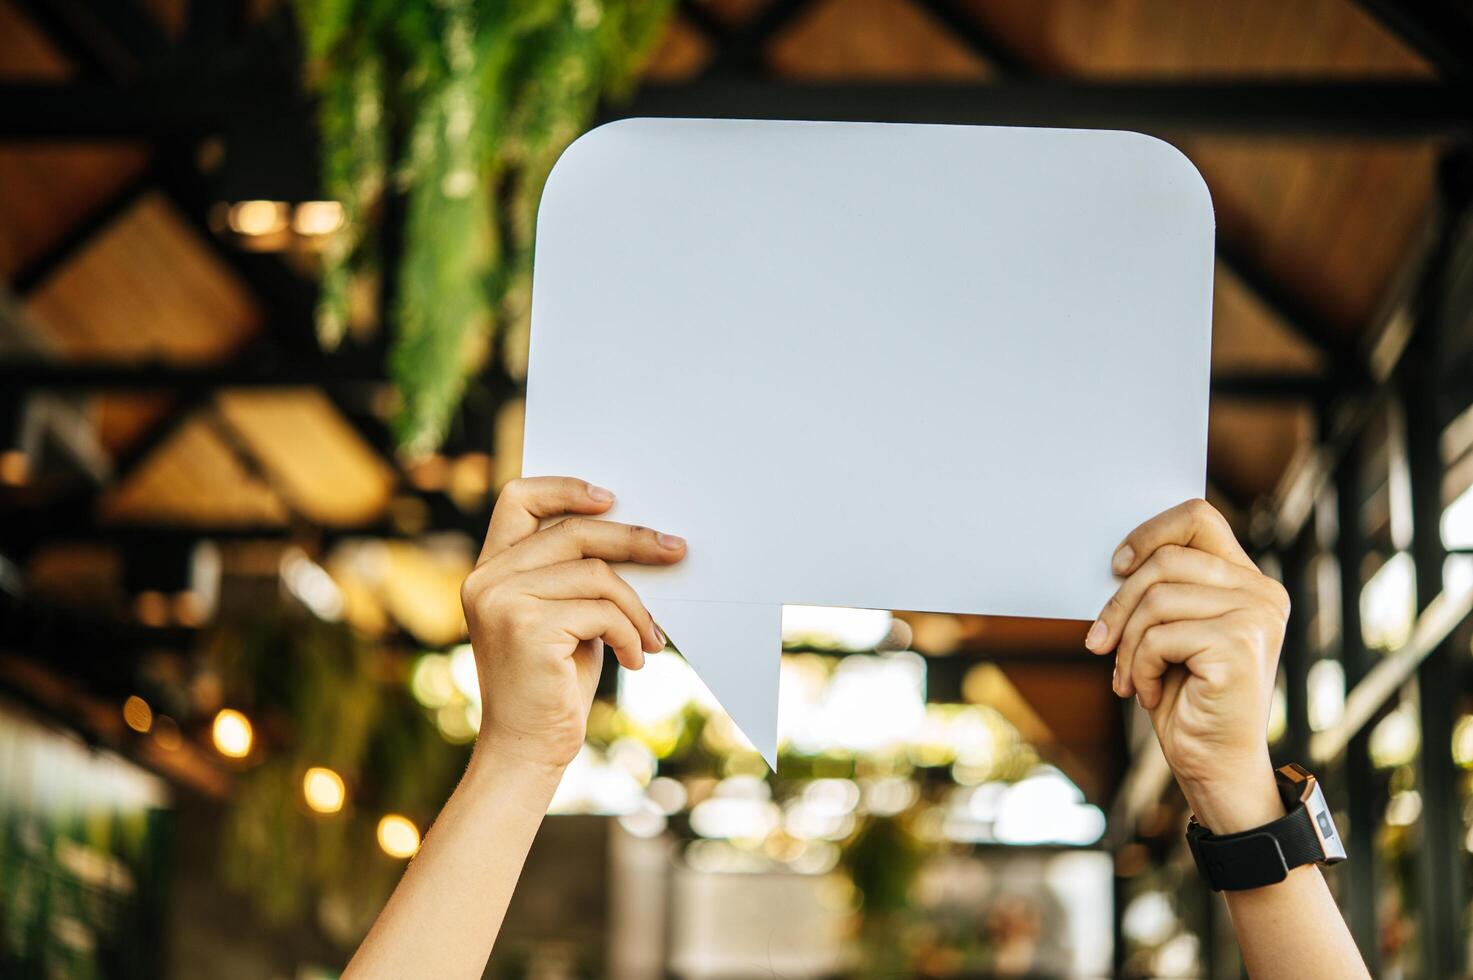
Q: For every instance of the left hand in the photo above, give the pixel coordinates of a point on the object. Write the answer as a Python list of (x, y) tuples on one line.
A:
[(1197, 629)]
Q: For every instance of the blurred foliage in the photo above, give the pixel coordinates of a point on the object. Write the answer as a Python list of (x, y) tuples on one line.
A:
[(318, 696), (462, 106), (882, 861)]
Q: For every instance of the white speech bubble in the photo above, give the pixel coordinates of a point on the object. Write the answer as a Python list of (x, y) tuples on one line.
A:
[(938, 368)]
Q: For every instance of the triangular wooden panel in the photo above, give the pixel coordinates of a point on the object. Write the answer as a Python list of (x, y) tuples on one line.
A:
[(1248, 337), (858, 39), (680, 55), (1252, 443), (146, 288), (326, 471), (1141, 38), (194, 479)]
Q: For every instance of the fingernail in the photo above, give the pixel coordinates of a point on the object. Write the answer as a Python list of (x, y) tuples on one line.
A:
[(670, 541), (1124, 558), (600, 494), (660, 635), (1096, 634)]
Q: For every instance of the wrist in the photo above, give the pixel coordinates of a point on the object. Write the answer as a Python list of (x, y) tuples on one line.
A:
[(535, 780), (1235, 802)]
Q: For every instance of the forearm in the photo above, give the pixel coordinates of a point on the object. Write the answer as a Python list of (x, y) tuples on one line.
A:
[(1294, 929), (1289, 930), (444, 916)]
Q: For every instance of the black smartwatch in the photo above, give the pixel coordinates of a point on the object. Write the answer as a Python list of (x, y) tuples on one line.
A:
[(1265, 855)]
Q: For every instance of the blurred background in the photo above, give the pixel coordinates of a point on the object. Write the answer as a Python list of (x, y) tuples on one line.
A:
[(262, 342)]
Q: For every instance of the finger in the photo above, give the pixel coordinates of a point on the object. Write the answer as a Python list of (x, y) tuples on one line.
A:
[(522, 505), (1168, 563), (579, 537), (1194, 524), (592, 578), (1169, 602), (1163, 645), (589, 619)]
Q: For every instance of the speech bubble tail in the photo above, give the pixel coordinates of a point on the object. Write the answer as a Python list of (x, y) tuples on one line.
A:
[(736, 649)]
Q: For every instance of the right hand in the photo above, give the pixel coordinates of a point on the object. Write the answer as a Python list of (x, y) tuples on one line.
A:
[(541, 604)]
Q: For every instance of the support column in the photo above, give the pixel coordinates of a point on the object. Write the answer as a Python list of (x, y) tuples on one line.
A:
[(1360, 870)]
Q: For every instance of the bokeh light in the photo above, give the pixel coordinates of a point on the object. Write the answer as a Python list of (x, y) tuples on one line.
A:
[(398, 836), (137, 715), (323, 790), (232, 734)]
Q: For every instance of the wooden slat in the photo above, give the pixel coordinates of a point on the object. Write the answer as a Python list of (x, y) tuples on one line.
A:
[(194, 479), (1334, 219), (321, 466), (679, 55), (1203, 37), (1254, 443), (871, 39), (145, 289)]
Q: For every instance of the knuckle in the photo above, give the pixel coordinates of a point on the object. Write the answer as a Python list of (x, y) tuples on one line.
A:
[(1169, 556), (1155, 566), (573, 527), (1148, 644), (470, 591), (515, 489), (1200, 510), (1153, 600), (1278, 596), (488, 602)]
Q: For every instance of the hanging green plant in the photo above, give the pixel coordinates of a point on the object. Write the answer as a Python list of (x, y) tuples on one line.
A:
[(462, 106)]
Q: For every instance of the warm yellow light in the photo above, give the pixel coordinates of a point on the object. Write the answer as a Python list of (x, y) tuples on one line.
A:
[(15, 467), (189, 609), (232, 734), (137, 714), (323, 790), (1463, 742), (398, 836), (317, 218), (257, 218), (152, 608)]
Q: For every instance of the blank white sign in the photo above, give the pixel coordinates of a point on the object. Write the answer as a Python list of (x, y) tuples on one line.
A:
[(938, 368)]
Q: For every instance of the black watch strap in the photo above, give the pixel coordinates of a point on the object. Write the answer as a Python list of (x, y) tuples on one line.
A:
[(1258, 857), (1264, 855)]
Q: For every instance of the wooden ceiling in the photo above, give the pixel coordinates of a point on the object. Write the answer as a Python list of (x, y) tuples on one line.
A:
[(1333, 221)]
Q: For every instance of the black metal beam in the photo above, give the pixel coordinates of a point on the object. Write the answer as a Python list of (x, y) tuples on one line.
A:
[(263, 370), (1371, 109), (743, 49), (961, 24), (1297, 653), (1378, 109), (1272, 386), (1437, 680), (1360, 789), (1435, 29), (341, 372)]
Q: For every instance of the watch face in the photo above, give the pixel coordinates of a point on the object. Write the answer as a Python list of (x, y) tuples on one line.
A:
[(1324, 825)]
